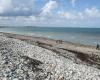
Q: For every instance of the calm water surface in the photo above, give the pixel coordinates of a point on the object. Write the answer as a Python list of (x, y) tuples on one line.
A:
[(90, 36)]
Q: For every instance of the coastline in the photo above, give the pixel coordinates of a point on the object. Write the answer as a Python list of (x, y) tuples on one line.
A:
[(45, 59), (88, 54)]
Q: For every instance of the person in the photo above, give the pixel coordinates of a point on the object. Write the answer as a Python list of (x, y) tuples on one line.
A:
[(97, 47), (59, 41)]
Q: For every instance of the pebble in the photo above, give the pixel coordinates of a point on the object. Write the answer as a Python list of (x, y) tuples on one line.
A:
[(48, 66)]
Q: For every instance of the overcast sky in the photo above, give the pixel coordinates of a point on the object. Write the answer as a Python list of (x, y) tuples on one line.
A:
[(52, 13)]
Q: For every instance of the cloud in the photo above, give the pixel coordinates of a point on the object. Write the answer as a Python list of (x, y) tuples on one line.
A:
[(48, 7), (19, 14), (87, 13), (16, 7), (18, 20), (22, 7), (71, 15), (67, 15), (81, 15), (5, 5), (92, 12), (25, 12), (73, 2)]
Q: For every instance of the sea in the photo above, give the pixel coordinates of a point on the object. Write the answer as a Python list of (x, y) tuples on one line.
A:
[(87, 36)]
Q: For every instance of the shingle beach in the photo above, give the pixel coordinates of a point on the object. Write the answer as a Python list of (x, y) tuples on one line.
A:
[(23, 60)]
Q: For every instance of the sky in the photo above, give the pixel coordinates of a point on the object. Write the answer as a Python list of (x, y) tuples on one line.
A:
[(50, 13)]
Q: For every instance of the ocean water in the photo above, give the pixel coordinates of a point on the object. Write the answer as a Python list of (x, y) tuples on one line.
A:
[(88, 36)]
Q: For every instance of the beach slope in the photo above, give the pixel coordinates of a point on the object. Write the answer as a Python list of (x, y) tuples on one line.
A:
[(27, 58)]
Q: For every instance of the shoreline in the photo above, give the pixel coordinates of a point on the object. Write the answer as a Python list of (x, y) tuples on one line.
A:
[(24, 36), (87, 54), (42, 59)]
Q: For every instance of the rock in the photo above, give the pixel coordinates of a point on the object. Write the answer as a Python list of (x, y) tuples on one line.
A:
[(22, 61)]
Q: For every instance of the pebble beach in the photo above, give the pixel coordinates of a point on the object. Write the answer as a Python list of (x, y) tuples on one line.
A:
[(21, 60)]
